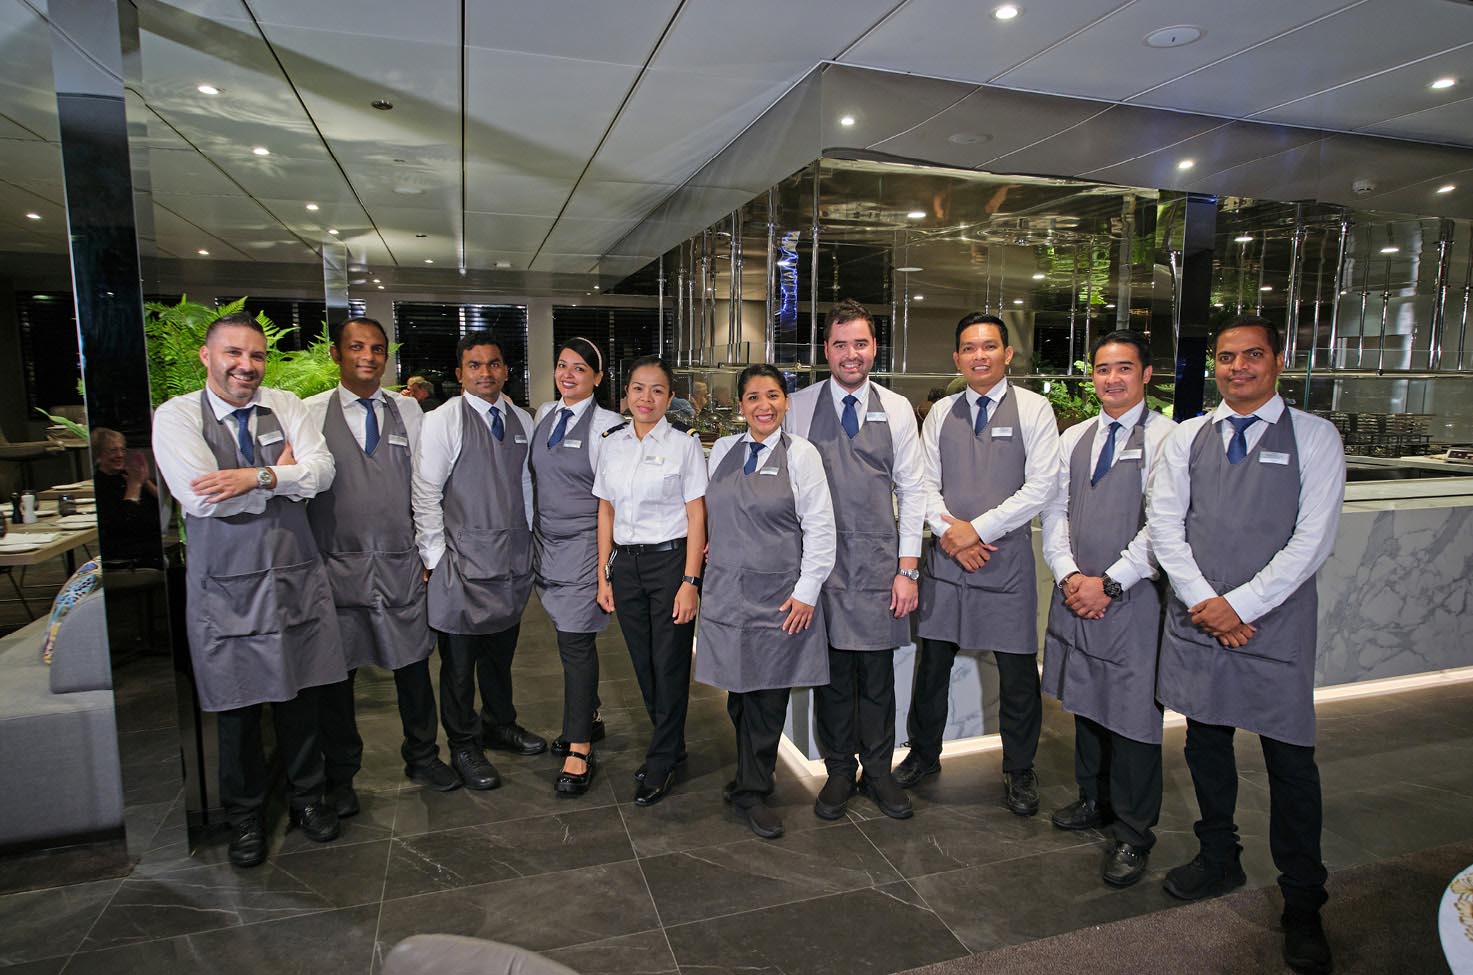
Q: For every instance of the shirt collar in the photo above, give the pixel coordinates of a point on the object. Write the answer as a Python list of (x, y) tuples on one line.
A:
[(1128, 419), (578, 408), (503, 403), (1269, 412), (995, 394), (347, 397), (223, 409), (839, 392)]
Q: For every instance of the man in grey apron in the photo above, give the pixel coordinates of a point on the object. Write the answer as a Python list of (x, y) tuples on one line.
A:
[(1243, 511), (473, 517), (991, 458), (1104, 624), (241, 460), (364, 526), (871, 452)]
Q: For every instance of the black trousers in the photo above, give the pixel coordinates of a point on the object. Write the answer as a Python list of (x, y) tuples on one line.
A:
[(758, 717), (1294, 816), (342, 745), (644, 599), (1123, 774), (579, 652), (243, 781), (1020, 707), (465, 661), (854, 713)]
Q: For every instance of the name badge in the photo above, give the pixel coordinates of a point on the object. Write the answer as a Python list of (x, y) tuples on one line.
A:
[(770, 471), (1134, 454), (267, 439), (518, 438), (1272, 457), (398, 440), (572, 444), (881, 417), (655, 460), (999, 432)]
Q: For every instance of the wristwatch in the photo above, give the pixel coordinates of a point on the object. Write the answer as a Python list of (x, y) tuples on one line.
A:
[(1112, 588), (693, 580), (914, 575), (264, 478)]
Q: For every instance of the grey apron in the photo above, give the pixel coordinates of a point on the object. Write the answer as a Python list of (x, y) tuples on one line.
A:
[(856, 597), (996, 607), (753, 563), (482, 583), (364, 526), (1105, 669), (1239, 517), (565, 524), (261, 622)]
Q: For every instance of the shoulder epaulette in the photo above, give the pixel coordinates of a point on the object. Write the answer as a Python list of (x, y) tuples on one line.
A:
[(682, 426), (615, 429)]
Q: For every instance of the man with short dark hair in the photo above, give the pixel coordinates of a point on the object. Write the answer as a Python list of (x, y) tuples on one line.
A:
[(473, 521), (991, 459), (1243, 512), (867, 437), (1104, 624), (241, 459), (364, 525)]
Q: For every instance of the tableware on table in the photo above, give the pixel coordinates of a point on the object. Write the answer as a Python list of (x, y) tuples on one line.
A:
[(76, 522)]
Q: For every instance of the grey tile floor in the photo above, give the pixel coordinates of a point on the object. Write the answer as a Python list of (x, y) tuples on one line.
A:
[(607, 887)]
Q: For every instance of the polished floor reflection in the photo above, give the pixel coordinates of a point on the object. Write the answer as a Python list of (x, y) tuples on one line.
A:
[(607, 887)]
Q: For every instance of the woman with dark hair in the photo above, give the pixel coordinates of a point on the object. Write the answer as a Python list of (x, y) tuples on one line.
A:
[(651, 542), (566, 441), (772, 546)]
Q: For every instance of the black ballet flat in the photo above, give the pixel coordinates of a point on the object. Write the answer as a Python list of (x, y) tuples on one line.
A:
[(568, 784)]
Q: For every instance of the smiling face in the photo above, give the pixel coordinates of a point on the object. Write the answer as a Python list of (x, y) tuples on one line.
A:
[(763, 405), (850, 350), (111, 456), (482, 371), (1119, 377), (235, 362), (648, 394), (361, 353), (981, 357), (1247, 368), (574, 377)]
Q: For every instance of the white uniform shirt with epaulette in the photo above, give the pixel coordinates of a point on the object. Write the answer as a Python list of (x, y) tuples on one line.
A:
[(649, 481)]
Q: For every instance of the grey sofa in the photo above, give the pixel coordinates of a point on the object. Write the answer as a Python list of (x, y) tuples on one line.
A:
[(59, 768)]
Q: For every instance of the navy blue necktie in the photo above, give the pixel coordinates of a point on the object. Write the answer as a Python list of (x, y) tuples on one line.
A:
[(982, 403), (243, 435), (561, 429), (1107, 455), (498, 429), (1238, 446), (370, 426), (751, 464), (850, 419)]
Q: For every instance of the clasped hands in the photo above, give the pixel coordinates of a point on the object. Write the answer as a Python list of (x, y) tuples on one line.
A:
[(1085, 596), (961, 542), (217, 486), (1217, 617)]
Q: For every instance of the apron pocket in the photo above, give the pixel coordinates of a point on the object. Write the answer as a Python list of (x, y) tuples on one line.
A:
[(265, 601), (866, 562), (493, 554), (351, 575), (763, 593), (399, 578)]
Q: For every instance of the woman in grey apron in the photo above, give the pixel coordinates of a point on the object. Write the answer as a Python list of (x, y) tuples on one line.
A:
[(565, 438), (772, 542)]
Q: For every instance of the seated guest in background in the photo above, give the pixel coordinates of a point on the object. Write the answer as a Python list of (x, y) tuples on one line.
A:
[(772, 544), (241, 459), (421, 389), (651, 545), (127, 499), (364, 526)]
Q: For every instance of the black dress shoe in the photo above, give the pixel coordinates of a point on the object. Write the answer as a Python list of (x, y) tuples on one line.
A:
[(763, 821), (886, 793), (473, 769), (1082, 813), (1201, 879), (514, 738), (248, 845), (1306, 949), (728, 792), (914, 768), (319, 822), (1124, 865), (644, 767), (648, 794), (1022, 792), (435, 774), (343, 799), (834, 796), (599, 732), (570, 784)]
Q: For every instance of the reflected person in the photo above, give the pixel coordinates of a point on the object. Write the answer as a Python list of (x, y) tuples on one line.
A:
[(127, 500)]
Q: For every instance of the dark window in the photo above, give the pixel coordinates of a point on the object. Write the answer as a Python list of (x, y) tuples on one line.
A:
[(49, 350), (303, 315), (427, 333), (621, 334)]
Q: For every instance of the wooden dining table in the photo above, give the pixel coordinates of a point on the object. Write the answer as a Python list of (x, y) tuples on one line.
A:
[(65, 545)]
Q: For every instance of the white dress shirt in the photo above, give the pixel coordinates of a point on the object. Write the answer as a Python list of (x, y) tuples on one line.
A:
[(811, 500), (905, 441), (357, 418), (1321, 495), (1040, 433), (182, 454), (649, 482), (602, 420), (439, 447), (1136, 561)]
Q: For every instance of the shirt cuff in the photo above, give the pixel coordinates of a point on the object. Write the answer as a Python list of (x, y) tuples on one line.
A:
[(1245, 604), (910, 547), (1063, 568), (983, 524), (806, 592), (1196, 592), (1124, 573), (432, 554)]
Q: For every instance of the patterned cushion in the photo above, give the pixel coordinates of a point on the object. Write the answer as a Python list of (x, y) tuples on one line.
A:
[(83, 581)]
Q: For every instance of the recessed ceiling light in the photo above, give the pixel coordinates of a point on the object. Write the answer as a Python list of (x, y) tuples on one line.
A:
[(847, 121), (1267, 287), (1243, 239), (408, 190), (421, 235), (381, 287), (1006, 12), (1390, 249), (332, 231), (1111, 305), (1442, 83), (1039, 276), (377, 281), (313, 207), (503, 264), (917, 214), (595, 287), (429, 261), (33, 216), (261, 151), (1179, 36), (909, 270), (208, 90), (968, 138), (1186, 164), (381, 104), (202, 252), (1017, 301), (1220, 304), (917, 297), (1448, 188)]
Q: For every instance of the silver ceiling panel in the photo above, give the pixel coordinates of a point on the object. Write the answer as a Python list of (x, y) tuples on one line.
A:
[(595, 198), (990, 122), (1391, 94), (1430, 125), (433, 21), (583, 237), (767, 40), (504, 232), (34, 164), (880, 104), (1222, 147), (1120, 134), (186, 172), (591, 30), (494, 187)]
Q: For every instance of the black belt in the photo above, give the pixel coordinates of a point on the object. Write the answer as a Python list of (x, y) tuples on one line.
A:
[(670, 546)]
